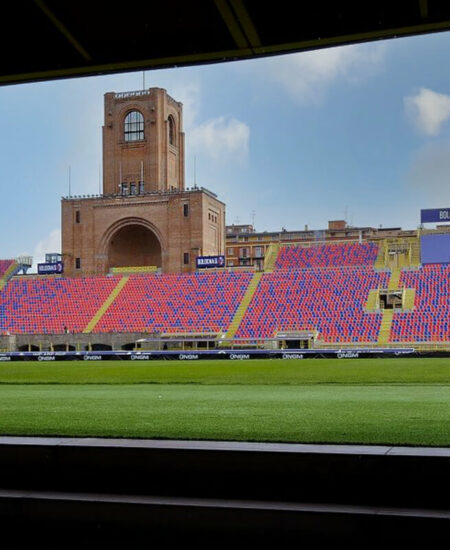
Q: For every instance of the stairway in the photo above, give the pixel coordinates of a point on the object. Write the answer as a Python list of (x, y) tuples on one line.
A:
[(385, 328), (394, 281), (271, 257), (240, 312), (104, 307), (12, 269), (380, 262), (415, 255), (409, 299), (373, 302)]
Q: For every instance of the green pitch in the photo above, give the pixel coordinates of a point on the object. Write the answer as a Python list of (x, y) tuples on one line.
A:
[(374, 401)]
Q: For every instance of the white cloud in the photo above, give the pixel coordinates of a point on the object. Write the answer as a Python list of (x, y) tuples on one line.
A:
[(221, 138), (189, 94), (429, 172), (306, 76), (428, 110), (51, 243)]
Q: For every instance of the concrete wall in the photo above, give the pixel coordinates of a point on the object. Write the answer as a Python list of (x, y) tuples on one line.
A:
[(79, 341)]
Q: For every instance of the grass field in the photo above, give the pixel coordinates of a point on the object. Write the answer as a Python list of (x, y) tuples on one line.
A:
[(373, 401)]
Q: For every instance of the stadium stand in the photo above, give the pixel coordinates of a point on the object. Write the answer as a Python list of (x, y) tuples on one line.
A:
[(176, 302), (48, 305), (429, 321), (5, 265), (329, 255), (328, 289), (331, 301)]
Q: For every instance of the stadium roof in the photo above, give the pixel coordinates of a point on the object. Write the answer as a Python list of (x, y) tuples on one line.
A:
[(77, 37)]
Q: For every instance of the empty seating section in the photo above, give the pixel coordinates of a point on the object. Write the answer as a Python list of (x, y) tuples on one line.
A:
[(4, 266), (321, 297), (330, 301), (48, 305), (329, 255), (176, 302), (430, 320)]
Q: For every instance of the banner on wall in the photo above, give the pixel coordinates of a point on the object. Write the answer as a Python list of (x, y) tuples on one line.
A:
[(50, 269), (204, 262), (431, 215)]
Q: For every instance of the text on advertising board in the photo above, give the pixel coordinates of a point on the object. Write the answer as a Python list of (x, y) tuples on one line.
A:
[(435, 215), (210, 261), (50, 269)]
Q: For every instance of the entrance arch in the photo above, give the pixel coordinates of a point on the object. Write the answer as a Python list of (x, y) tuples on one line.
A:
[(133, 244)]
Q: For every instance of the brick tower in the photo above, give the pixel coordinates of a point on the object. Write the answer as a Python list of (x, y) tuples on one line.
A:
[(145, 216)]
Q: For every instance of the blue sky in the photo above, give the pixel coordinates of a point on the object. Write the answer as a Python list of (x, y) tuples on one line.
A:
[(358, 132)]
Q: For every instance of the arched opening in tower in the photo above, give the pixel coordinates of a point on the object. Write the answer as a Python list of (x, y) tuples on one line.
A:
[(134, 245)]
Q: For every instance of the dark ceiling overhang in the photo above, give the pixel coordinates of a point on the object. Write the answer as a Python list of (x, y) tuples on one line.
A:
[(47, 39)]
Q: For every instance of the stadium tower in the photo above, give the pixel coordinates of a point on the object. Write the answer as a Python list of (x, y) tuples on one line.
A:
[(145, 216)]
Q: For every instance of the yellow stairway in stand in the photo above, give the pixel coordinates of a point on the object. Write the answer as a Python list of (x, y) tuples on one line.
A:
[(394, 281), (380, 262), (373, 302), (385, 328), (104, 307), (271, 257), (415, 254), (240, 312), (409, 298), (7, 275)]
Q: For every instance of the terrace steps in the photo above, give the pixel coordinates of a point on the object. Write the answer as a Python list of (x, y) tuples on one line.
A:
[(8, 274), (385, 327), (409, 299), (240, 312), (394, 280), (380, 262), (373, 302), (415, 255), (271, 257), (106, 304)]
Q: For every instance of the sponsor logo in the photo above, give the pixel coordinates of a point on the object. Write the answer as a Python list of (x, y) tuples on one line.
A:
[(210, 261), (348, 355), (46, 358), (444, 215), (184, 356), (45, 269), (136, 357), (292, 356), (5, 358), (239, 356), (92, 358)]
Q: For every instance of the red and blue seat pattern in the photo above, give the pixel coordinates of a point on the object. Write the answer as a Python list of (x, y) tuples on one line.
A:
[(176, 302), (328, 255), (430, 319), (4, 266), (51, 305), (331, 301)]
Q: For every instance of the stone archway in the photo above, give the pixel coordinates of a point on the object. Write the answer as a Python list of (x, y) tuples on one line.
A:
[(133, 244)]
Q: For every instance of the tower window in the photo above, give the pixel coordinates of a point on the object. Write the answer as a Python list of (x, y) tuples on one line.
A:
[(186, 258), (186, 210), (77, 216), (124, 189), (134, 126), (141, 188), (77, 263), (132, 188), (171, 130)]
